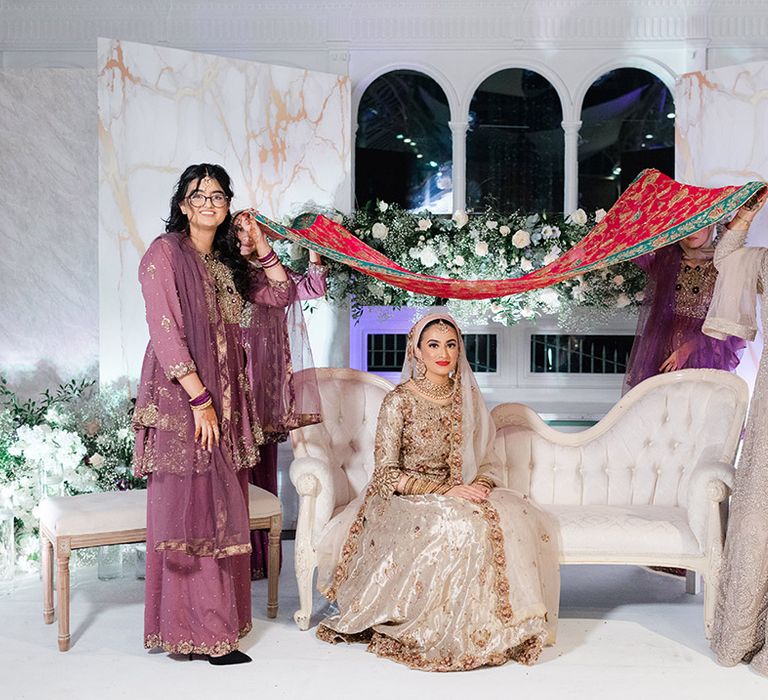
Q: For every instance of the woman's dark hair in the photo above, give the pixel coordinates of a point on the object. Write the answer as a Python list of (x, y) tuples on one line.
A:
[(434, 323), (225, 245)]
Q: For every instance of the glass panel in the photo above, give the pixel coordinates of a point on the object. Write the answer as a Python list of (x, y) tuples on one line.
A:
[(628, 124), (404, 146), (580, 354), (386, 351), (515, 145)]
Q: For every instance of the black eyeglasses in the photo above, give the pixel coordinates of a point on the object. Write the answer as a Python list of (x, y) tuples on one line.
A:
[(198, 199)]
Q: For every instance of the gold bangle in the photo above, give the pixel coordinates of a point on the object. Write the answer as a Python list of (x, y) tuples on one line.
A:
[(202, 406)]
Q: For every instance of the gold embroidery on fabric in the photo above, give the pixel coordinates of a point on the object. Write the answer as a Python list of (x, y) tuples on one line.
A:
[(279, 284), (230, 302), (202, 548), (694, 288), (151, 270), (146, 415), (166, 324), (155, 641), (504, 610), (181, 369), (405, 651)]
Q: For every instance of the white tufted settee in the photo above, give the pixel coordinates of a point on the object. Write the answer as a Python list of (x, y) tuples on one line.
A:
[(648, 484), (333, 462)]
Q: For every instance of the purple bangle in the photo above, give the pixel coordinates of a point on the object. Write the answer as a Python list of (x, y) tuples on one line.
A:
[(271, 254), (200, 399)]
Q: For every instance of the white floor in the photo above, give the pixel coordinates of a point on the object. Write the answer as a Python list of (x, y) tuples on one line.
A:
[(625, 633)]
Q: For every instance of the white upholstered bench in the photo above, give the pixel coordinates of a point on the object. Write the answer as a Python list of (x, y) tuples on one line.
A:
[(120, 517)]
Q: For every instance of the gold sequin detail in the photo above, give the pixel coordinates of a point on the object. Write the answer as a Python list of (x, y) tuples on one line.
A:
[(166, 324), (181, 369), (229, 300), (694, 288), (155, 641)]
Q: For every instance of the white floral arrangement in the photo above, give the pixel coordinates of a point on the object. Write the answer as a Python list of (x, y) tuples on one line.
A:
[(77, 440), (487, 245)]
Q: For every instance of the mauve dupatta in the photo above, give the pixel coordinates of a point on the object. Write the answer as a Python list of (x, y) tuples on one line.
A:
[(198, 504), (280, 367)]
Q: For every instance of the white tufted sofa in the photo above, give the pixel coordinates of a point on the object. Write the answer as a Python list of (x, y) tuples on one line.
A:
[(333, 462), (648, 484)]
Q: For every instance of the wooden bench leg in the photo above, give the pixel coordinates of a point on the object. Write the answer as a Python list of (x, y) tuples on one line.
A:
[(46, 550), (63, 551), (273, 563)]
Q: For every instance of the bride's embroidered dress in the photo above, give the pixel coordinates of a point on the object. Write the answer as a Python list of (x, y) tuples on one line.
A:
[(438, 582)]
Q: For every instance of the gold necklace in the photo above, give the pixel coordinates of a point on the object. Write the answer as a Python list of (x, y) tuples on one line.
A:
[(438, 392)]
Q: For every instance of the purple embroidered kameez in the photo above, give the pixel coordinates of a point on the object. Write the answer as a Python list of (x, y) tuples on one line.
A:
[(677, 298)]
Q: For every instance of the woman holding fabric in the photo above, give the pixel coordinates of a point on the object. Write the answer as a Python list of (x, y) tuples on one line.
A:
[(741, 612), (275, 352), (681, 279), (435, 565), (196, 420)]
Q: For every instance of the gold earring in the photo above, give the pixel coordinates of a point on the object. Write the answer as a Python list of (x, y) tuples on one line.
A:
[(421, 370)]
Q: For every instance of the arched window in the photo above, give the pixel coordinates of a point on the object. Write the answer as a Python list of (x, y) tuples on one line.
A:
[(403, 149), (628, 124), (515, 144)]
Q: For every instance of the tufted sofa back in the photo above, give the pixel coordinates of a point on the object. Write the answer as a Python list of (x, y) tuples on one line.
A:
[(350, 404), (641, 453)]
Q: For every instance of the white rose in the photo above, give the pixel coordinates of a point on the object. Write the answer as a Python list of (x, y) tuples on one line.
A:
[(618, 280), (504, 230), (526, 265), (295, 252), (374, 288), (379, 231), (640, 296), (622, 300), (600, 215), (549, 297), (383, 206), (481, 248), (424, 224), (458, 261), (414, 253), (552, 255), (460, 218), (428, 257), (550, 232), (97, 460), (578, 217), (337, 218), (527, 313), (521, 239), (491, 224)]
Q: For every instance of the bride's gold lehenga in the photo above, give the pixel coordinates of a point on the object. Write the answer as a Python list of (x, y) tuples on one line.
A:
[(436, 582)]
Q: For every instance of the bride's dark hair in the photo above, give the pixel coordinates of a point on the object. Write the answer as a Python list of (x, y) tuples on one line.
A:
[(226, 246)]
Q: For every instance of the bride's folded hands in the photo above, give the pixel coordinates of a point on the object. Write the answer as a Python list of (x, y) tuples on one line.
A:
[(476, 493)]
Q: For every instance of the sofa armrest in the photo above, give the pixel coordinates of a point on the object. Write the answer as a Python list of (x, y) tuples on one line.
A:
[(709, 485), (315, 482)]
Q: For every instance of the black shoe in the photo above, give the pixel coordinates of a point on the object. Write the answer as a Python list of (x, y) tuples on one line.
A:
[(234, 657)]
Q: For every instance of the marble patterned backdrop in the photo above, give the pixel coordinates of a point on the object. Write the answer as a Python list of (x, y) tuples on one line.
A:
[(48, 281), (721, 138), (283, 134)]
